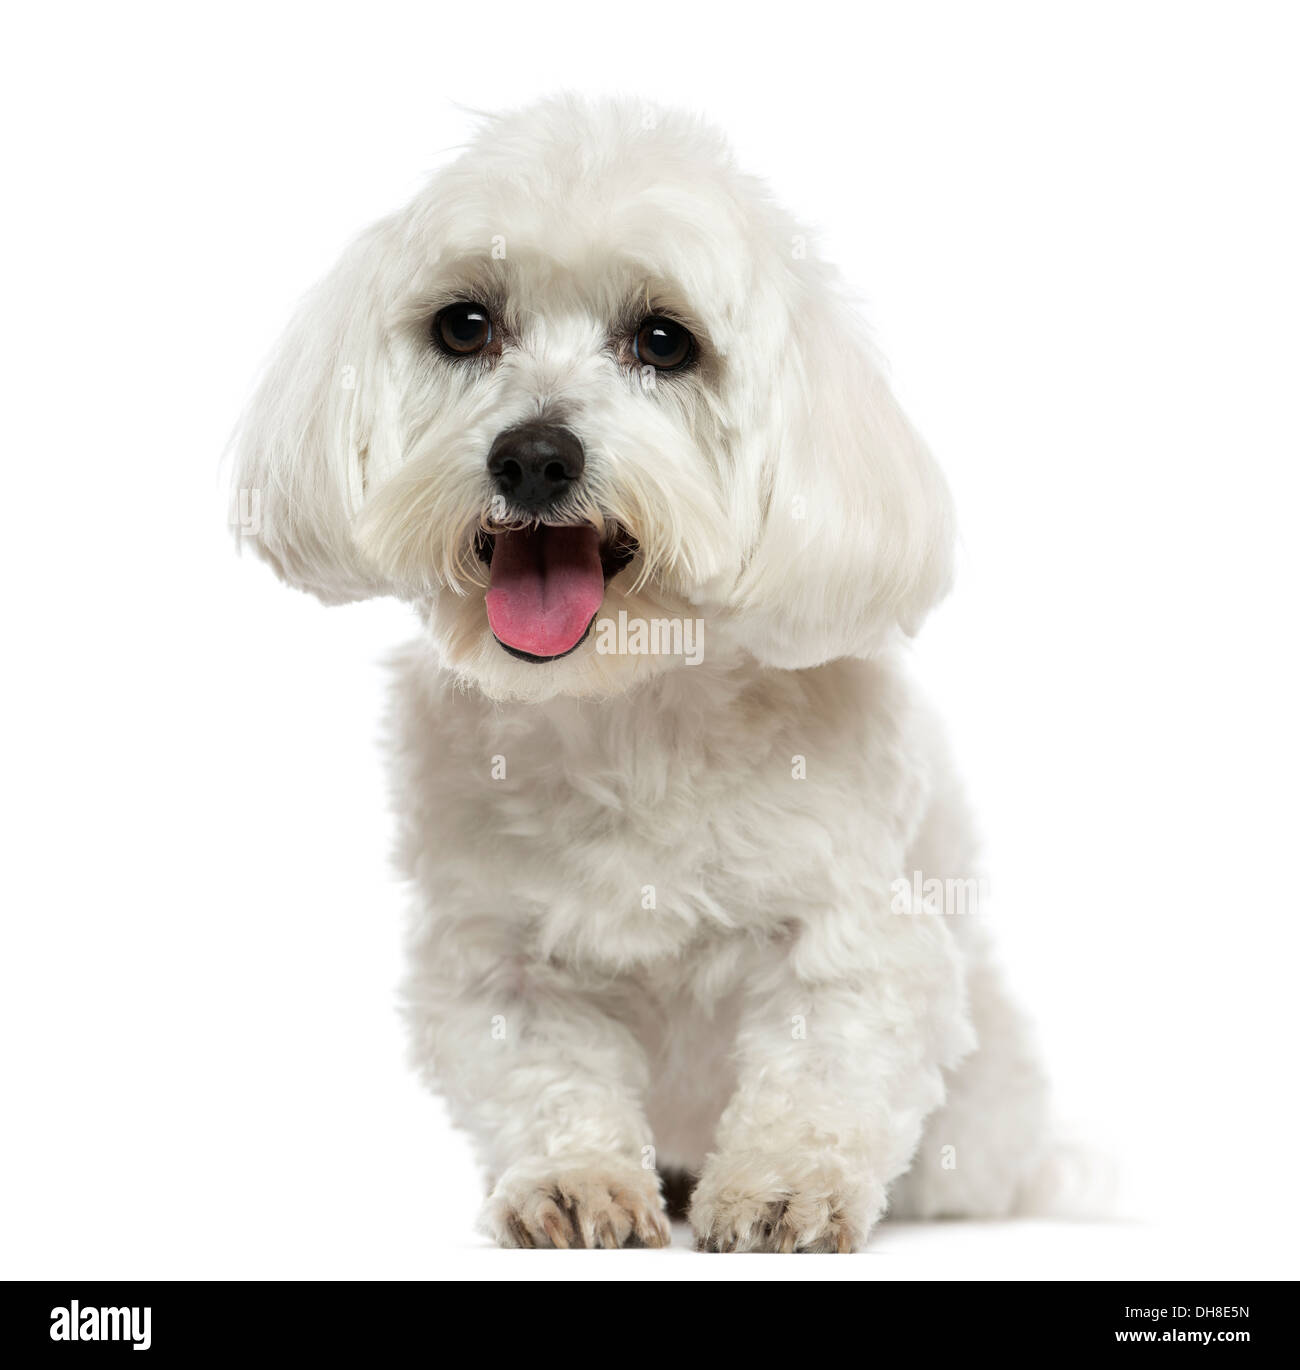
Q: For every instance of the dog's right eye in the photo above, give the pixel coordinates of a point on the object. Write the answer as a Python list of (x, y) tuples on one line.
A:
[(462, 330)]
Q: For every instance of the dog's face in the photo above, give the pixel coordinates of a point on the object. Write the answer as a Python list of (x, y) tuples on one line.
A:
[(592, 372)]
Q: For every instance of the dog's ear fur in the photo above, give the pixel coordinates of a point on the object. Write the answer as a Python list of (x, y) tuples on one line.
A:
[(856, 533), (315, 432)]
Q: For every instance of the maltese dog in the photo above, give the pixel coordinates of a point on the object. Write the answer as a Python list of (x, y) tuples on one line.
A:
[(680, 835)]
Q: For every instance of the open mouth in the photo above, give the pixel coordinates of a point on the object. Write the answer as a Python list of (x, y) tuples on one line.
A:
[(548, 584)]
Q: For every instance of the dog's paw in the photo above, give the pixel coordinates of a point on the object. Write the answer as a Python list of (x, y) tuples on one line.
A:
[(601, 1205), (753, 1202)]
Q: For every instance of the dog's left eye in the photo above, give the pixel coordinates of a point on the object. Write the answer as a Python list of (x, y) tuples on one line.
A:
[(663, 344), (463, 329)]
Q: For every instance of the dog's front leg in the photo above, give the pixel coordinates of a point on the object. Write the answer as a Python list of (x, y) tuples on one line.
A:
[(841, 1049), (536, 1067)]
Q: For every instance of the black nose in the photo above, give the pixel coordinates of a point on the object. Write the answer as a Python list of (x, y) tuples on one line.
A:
[(535, 464)]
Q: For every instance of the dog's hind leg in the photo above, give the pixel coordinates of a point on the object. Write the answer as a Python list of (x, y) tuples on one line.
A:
[(983, 1148)]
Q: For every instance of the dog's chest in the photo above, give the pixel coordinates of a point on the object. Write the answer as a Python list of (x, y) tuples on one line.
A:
[(643, 849), (627, 832)]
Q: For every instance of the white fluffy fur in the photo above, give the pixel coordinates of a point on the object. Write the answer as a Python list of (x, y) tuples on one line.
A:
[(771, 1023)]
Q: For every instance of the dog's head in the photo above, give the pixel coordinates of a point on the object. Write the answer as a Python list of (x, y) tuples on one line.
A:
[(591, 369)]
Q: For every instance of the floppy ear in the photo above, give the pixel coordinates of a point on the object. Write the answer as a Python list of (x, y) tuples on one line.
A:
[(317, 430), (856, 532)]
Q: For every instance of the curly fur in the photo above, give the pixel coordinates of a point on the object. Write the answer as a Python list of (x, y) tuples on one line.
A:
[(656, 906)]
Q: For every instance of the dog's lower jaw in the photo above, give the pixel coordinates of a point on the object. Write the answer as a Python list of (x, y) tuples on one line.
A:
[(542, 660)]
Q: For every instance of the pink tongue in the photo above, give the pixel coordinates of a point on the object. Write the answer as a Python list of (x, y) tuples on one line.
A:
[(547, 584)]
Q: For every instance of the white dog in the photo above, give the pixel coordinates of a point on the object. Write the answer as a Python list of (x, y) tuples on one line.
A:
[(664, 789)]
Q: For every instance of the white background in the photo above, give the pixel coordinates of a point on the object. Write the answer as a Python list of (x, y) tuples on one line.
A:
[(1075, 228)]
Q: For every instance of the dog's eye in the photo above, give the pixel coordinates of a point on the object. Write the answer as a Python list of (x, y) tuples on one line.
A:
[(463, 329), (663, 344)]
